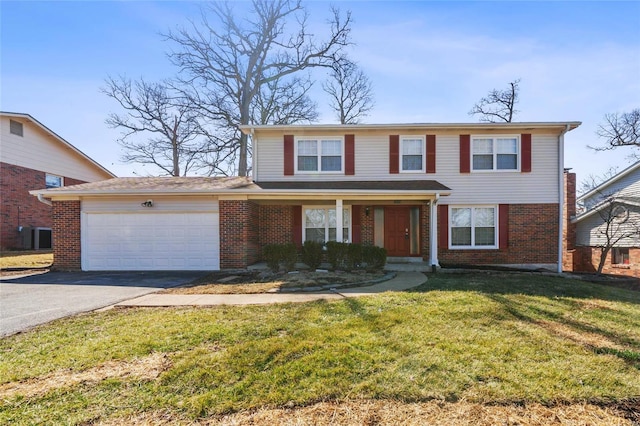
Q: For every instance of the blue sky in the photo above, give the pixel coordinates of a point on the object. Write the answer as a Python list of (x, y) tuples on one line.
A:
[(428, 61)]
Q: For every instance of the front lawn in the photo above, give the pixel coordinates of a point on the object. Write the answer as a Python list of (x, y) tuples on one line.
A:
[(512, 340), (25, 259)]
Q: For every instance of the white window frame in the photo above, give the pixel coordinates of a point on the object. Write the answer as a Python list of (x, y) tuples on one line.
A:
[(423, 144), (495, 153), (346, 211), (473, 246), (15, 123), (55, 176), (319, 140)]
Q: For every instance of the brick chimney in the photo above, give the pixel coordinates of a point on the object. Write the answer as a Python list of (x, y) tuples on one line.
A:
[(569, 212)]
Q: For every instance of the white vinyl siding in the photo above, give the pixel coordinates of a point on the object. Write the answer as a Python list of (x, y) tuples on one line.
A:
[(590, 230), (372, 163), (39, 150)]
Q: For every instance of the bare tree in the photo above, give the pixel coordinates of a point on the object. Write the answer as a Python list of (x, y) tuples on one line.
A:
[(226, 63), (618, 224), (171, 134), (350, 92), (592, 181), (619, 129), (498, 105), (288, 102)]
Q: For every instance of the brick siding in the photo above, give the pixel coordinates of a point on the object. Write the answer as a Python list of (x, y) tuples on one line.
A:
[(18, 207), (586, 259), (276, 225), (533, 239), (239, 234), (66, 235)]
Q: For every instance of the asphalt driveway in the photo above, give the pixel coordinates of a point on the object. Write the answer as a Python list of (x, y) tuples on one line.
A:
[(37, 299)]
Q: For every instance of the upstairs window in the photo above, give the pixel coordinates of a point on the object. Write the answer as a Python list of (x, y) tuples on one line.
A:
[(494, 153), (473, 227), (15, 128), (53, 181), (412, 154), (320, 155)]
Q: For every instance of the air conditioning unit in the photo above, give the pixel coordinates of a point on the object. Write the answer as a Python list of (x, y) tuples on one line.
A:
[(42, 238), (26, 237)]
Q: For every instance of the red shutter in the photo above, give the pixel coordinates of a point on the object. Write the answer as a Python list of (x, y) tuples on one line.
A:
[(356, 223), (288, 155), (503, 230), (296, 223), (431, 153), (465, 153), (394, 153), (525, 148), (443, 226), (349, 154)]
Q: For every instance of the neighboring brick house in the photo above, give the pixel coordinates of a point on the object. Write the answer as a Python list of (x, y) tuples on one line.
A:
[(607, 215), (482, 193), (34, 157)]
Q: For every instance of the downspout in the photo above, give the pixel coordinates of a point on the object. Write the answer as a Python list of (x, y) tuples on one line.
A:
[(561, 197), (44, 200), (433, 233)]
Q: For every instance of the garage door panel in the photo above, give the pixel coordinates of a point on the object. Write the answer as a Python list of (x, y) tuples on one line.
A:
[(133, 241)]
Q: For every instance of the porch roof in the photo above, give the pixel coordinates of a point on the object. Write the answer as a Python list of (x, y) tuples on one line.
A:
[(240, 186)]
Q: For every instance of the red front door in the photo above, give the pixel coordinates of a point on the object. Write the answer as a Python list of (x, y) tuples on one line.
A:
[(396, 230)]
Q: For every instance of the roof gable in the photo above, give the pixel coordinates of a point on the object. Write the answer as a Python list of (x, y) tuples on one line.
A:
[(58, 140)]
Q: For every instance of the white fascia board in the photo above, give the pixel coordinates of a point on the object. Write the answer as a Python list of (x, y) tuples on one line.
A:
[(560, 126)]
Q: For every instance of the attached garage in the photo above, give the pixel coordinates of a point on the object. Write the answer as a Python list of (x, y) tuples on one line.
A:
[(170, 234)]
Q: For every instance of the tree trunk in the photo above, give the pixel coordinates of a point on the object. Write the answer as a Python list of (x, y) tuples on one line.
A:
[(603, 259)]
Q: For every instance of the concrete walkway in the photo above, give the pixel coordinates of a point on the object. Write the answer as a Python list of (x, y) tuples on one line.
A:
[(402, 281)]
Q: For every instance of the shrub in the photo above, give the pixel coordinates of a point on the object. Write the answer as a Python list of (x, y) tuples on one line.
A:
[(336, 254), (312, 254), (374, 257), (289, 256), (271, 254), (354, 256), (277, 254)]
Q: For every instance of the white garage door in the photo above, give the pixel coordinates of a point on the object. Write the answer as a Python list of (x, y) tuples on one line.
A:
[(143, 242)]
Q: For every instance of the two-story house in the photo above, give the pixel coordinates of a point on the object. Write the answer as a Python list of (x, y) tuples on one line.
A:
[(34, 157), (482, 193)]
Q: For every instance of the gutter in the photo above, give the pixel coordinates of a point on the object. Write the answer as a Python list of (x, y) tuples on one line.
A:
[(561, 199), (44, 200)]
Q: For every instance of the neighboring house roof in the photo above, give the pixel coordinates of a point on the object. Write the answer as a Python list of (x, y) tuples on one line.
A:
[(56, 136), (553, 125), (622, 198), (600, 189), (244, 185)]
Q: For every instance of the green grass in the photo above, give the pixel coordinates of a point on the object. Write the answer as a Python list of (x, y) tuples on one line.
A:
[(490, 338)]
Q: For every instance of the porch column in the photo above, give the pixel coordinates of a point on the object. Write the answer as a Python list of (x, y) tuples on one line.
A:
[(339, 236), (433, 233)]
